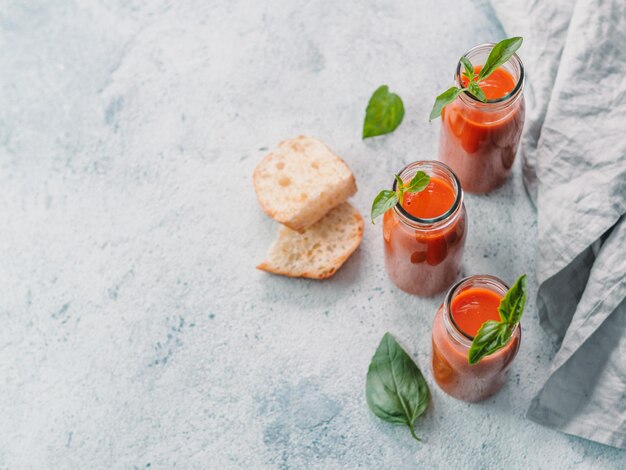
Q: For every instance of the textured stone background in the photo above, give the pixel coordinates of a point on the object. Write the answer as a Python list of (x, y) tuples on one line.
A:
[(135, 331)]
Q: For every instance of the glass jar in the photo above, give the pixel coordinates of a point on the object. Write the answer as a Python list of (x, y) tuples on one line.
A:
[(451, 369), (423, 256), (479, 140)]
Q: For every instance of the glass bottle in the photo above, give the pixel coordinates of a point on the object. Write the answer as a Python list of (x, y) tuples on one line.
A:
[(423, 256), (479, 140), (450, 344)]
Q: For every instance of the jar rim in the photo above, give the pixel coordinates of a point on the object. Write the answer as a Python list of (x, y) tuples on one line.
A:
[(451, 327), (456, 186), (516, 90)]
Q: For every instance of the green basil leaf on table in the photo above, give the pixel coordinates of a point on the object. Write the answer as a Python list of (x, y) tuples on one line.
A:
[(443, 100), (384, 113), (395, 388), (385, 200), (499, 55)]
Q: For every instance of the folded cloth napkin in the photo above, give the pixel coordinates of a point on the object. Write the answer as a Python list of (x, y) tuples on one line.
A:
[(574, 164)]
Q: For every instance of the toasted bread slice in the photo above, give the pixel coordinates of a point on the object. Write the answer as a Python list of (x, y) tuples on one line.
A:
[(299, 182), (318, 251)]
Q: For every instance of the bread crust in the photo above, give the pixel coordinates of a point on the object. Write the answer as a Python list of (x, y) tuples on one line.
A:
[(334, 265), (307, 216)]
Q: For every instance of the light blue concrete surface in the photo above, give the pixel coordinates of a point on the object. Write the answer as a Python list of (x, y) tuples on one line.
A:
[(136, 332)]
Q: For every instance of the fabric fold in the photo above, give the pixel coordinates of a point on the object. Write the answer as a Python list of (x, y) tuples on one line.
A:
[(574, 154)]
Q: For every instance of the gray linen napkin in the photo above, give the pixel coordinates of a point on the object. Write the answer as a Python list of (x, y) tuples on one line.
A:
[(574, 153)]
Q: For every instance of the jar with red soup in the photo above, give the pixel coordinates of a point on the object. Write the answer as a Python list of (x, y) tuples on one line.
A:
[(467, 306), (478, 139), (424, 235)]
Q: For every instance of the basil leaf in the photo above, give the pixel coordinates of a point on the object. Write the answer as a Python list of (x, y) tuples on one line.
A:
[(383, 202), (395, 388), (384, 113), (442, 100), (513, 303), (418, 183), (469, 68), (399, 188), (475, 90), (491, 337), (472, 85), (499, 55)]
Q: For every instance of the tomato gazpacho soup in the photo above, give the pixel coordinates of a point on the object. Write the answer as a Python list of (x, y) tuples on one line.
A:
[(468, 305), (479, 140), (424, 236)]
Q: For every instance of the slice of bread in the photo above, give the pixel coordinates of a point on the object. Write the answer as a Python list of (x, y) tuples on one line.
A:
[(300, 181), (318, 251)]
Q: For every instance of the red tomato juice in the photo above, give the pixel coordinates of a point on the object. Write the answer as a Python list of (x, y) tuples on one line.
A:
[(473, 307), (479, 140), (423, 255), (435, 200)]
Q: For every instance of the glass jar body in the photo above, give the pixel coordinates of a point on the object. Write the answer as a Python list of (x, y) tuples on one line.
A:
[(423, 256), (451, 369), (480, 146), (479, 140), (423, 262)]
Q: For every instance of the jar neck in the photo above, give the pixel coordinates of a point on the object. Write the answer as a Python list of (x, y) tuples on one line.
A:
[(482, 281), (439, 170), (477, 56)]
